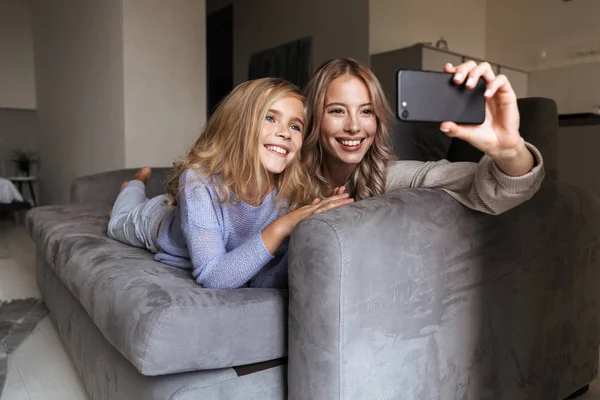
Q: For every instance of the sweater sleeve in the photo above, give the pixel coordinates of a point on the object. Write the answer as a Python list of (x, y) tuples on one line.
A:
[(204, 231), (480, 186)]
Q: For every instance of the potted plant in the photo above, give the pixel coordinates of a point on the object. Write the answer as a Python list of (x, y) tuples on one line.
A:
[(24, 159)]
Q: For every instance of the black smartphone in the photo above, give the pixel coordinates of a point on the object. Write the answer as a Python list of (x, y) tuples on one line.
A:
[(430, 96)]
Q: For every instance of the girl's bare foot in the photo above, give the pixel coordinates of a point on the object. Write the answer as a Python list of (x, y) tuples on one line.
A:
[(143, 175)]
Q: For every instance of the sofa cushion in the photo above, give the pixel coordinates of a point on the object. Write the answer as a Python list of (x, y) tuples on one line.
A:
[(154, 314)]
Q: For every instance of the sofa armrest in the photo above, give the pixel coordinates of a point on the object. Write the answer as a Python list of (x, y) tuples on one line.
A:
[(411, 295), (104, 187)]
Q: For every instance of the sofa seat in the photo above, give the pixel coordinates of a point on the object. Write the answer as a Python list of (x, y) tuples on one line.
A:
[(155, 315)]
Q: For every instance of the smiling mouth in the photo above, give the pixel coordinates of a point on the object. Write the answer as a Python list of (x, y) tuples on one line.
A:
[(353, 144), (279, 150)]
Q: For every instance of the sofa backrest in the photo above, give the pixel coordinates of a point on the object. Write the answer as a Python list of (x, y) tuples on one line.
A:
[(104, 187)]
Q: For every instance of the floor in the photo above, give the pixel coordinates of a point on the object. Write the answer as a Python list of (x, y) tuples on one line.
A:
[(40, 368)]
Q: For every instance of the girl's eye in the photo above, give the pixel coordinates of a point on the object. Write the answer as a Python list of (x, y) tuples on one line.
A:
[(270, 118), (296, 127)]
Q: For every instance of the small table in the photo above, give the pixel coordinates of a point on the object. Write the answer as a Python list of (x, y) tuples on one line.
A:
[(19, 180)]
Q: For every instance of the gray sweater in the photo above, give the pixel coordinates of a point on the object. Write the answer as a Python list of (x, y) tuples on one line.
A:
[(480, 186)]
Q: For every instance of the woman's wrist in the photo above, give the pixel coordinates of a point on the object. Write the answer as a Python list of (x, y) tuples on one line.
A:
[(515, 162)]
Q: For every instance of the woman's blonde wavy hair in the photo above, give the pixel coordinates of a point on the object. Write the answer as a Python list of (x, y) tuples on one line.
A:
[(229, 147), (369, 177)]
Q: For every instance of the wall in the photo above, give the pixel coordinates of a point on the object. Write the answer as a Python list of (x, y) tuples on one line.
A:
[(518, 31), (165, 79), (543, 37), (79, 77), (397, 24), (17, 87), (121, 83), (340, 28), (575, 88)]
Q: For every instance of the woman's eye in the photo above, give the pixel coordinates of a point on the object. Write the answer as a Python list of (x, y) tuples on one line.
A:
[(369, 112), (335, 111), (270, 118)]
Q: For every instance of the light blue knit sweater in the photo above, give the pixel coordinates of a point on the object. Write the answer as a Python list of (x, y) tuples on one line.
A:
[(221, 242)]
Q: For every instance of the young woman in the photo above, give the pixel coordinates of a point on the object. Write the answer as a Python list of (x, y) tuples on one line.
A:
[(347, 142), (226, 213)]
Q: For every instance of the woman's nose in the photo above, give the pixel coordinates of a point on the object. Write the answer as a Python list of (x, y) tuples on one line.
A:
[(352, 125)]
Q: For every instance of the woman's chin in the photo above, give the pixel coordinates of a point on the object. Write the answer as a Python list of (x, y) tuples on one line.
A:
[(353, 159)]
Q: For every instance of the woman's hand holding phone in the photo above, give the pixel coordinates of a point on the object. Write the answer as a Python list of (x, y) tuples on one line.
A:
[(499, 135)]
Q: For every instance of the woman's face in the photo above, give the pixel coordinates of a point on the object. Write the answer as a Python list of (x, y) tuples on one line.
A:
[(349, 124)]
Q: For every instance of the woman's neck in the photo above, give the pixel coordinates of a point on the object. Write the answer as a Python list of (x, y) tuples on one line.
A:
[(336, 173)]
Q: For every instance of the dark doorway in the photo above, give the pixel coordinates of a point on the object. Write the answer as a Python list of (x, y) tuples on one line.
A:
[(289, 61), (219, 55)]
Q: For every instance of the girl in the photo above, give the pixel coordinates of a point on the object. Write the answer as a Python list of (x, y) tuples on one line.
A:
[(224, 215), (347, 142)]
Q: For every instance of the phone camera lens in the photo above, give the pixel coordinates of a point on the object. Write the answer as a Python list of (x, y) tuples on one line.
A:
[(405, 114)]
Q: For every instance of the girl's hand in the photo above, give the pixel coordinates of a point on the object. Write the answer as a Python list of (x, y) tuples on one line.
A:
[(289, 221), (338, 190), (499, 135), (274, 234)]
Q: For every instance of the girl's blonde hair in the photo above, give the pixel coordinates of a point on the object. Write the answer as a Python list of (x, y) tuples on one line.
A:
[(369, 177), (229, 147)]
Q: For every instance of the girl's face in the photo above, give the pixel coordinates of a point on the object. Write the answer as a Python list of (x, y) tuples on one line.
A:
[(349, 124), (281, 135)]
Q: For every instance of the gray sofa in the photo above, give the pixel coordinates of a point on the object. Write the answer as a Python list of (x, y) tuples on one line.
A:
[(405, 296)]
